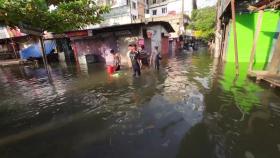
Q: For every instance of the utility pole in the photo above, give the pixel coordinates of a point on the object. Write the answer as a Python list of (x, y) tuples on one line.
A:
[(183, 5), (183, 9), (130, 14), (194, 5)]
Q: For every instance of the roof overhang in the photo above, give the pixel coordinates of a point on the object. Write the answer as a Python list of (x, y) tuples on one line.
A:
[(116, 28)]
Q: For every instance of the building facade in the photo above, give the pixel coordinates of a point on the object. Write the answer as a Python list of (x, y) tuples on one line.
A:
[(137, 11), (11, 42), (170, 11), (122, 12), (97, 43)]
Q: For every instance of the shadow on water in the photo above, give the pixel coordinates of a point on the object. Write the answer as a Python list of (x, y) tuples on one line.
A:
[(190, 108)]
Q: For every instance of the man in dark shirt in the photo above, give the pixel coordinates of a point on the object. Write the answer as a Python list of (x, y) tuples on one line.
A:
[(135, 57), (144, 57)]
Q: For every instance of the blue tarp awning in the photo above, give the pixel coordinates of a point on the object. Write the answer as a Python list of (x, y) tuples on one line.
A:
[(34, 51)]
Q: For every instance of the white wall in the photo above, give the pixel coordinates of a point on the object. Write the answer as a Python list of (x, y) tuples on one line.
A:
[(174, 5), (118, 20), (118, 3), (159, 11), (156, 38), (134, 11)]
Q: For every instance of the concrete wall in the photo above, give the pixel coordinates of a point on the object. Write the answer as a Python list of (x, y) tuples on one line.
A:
[(159, 11), (158, 7), (174, 20), (156, 39), (134, 11), (172, 6), (142, 7), (122, 13), (119, 15), (100, 47), (101, 44)]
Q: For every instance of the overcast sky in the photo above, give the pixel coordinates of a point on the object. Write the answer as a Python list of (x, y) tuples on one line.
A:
[(204, 3), (200, 4)]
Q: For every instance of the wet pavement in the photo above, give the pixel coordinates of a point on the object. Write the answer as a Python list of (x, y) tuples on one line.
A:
[(194, 107)]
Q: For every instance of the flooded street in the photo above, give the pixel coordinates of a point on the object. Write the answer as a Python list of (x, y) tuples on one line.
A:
[(193, 107)]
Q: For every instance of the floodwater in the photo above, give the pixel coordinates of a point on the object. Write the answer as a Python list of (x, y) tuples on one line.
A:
[(193, 107)]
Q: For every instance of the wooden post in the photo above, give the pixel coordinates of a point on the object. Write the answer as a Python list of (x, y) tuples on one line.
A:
[(275, 61), (225, 46), (235, 36), (14, 49), (44, 57), (12, 42), (256, 37), (43, 51)]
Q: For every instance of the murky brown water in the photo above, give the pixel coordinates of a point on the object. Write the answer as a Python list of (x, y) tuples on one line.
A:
[(193, 107)]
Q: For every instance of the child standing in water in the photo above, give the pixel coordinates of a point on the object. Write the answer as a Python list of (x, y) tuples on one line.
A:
[(110, 62), (155, 58), (117, 60)]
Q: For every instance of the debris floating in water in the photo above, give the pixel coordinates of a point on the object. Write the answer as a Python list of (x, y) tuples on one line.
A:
[(116, 75), (248, 154)]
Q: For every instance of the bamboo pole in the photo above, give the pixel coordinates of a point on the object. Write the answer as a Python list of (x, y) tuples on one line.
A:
[(45, 60), (235, 36), (275, 61), (256, 37), (271, 4)]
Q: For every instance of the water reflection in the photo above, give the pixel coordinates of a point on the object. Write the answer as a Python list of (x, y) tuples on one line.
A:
[(190, 108)]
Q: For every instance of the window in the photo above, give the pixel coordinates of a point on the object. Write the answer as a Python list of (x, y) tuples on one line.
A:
[(164, 10), (154, 1), (147, 2), (133, 5), (147, 11), (134, 17), (154, 12)]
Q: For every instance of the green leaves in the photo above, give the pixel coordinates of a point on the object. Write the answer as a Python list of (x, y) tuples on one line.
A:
[(51, 15), (204, 20)]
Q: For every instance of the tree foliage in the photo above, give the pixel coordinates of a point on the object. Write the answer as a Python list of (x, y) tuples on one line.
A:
[(203, 21), (51, 15)]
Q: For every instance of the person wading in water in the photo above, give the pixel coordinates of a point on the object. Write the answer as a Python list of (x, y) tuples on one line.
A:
[(134, 58), (117, 60), (155, 58), (144, 57)]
